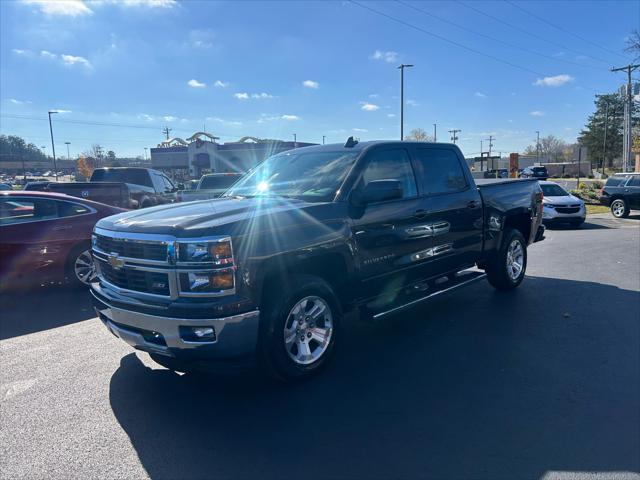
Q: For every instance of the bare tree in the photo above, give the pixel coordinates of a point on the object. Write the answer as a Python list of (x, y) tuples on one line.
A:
[(633, 44), (418, 135), (549, 147)]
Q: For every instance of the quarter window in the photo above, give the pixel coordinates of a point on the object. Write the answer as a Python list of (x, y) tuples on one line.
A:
[(439, 171), (391, 165), (15, 210), (635, 181), (70, 209)]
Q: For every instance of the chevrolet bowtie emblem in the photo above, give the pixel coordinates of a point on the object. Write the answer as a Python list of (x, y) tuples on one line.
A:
[(115, 261)]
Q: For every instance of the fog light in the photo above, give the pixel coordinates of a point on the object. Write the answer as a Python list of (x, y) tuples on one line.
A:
[(198, 334)]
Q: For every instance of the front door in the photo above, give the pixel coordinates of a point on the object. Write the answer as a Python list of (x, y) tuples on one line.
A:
[(387, 233), (632, 191)]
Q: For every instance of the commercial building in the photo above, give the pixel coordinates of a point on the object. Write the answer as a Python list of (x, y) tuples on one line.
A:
[(201, 153)]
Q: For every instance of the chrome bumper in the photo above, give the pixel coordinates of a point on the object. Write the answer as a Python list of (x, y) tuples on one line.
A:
[(236, 335)]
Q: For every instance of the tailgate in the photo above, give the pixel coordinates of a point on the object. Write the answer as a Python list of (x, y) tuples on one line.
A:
[(110, 193)]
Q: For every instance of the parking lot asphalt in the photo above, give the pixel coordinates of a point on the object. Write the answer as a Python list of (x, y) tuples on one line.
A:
[(542, 382)]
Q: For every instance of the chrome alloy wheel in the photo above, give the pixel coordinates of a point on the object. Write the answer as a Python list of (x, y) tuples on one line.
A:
[(617, 208), (515, 259), (84, 268), (308, 329)]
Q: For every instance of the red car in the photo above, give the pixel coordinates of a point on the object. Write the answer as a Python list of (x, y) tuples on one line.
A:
[(46, 237)]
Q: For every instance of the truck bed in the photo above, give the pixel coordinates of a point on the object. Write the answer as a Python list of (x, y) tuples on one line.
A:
[(489, 182)]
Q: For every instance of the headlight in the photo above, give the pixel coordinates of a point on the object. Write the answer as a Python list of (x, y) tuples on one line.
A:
[(207, 282), (94, 240), (216, 252)]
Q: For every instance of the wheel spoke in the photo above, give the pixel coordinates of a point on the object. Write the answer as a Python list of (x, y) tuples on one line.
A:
[(320, 335), (317, 310), (304, 352)]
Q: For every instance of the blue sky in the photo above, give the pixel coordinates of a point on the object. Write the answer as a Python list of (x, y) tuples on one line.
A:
[(271, 69)]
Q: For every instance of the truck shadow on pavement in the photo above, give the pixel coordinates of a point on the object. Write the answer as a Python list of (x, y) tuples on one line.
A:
[(476, 384), (42, 308)]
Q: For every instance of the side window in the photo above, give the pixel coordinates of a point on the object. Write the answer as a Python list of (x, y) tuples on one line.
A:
[(158, 184), (70, 209), (439, 171), (168, 185), (21, 210), (391, 165), (634, 182)]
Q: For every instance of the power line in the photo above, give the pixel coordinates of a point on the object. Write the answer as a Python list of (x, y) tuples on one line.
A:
[(562, 29), (466, 29), (460, 45), (535, 35)]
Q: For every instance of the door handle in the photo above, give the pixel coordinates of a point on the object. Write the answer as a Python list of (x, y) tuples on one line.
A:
[(472, 204), (420, 213)]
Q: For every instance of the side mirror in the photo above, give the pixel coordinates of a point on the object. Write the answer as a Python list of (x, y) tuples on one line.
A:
[(380, 191), (181, 186)]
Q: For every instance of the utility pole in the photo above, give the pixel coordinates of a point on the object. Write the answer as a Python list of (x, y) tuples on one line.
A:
[(481, 157), (295, 141), (53, 147), (166, 131), (402, 67), (490, 139), (145, 154), (628, 107), (537, 146), (68, 155), (323, 137), (604, 141), (454, 135), (435, 132)]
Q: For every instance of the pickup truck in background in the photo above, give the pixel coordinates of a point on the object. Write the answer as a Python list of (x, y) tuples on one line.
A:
[(125, 187), (268, 270), (212, 185)]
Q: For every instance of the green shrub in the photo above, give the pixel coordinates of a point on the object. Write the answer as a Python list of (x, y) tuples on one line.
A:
[(597, 185), (582, 186)]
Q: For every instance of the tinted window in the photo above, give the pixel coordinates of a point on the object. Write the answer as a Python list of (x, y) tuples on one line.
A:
[(137, 177), (634, 182), (69, 209), (391, 165), (553, 191), (168, 185), (217, 182), (439, 171), (158, 183), (540, 169), (615, 181), (19, 210)]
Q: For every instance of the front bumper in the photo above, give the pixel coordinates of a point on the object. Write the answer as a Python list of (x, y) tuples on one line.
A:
[(236, 336), (550, 215)]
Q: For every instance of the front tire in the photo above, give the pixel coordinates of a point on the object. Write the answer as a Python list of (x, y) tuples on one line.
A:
[(80, 269), (506, 270), (299, 328), (619, 208)]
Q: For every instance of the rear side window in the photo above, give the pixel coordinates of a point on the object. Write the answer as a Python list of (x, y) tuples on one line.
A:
[(21, 210), (391, 165), (615, 181), (70, 209), (634, 182), (439, 171)]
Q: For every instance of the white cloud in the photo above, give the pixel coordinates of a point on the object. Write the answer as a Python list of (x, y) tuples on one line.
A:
[(144, 116), (169, 118), (246, 96), (363, 130), (311, 84), (195, 83), (47, 54), (221, 84), (261, 95), (389, 57), (141, 3), (70, 8), (19, 51), (536, 113), (222, 121), (391, 115), (271, 118), (412, 103), (74, 60), (369, 107), (19, 102), (61, 110), (480, 95), (555, 81), (374, 95), (201, 38), (290, 118), (241, 96)]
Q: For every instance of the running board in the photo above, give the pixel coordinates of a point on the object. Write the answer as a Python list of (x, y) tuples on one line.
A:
[(436, 288)]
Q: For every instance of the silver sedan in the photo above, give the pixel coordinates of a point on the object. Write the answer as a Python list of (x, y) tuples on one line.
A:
[(560, 206)]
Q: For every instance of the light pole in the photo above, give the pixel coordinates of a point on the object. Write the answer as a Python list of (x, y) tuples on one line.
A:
[(537, 146), (145, 154), (402, 67), (53, 147), (435, 132), (604, 141), (68, 154), (295, 141), (323, 137)]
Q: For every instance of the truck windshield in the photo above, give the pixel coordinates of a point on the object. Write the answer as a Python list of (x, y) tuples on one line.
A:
[(314, 176), (213, 182), (137, 177)]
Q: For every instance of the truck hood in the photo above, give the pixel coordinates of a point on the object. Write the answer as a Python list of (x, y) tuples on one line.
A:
[(202, 217)]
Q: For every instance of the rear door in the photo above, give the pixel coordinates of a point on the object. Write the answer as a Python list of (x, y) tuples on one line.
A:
[(387, 233), (452, 209), (632, 191)]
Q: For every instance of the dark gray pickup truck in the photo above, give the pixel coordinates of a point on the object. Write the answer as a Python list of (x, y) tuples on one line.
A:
[(267, 271)]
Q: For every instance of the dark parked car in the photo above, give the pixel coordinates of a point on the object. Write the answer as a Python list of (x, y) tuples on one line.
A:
[(45, 237), (621, 193), (5, 187), (211, 185), (539, 173), (127, 187), (501, 173), (268, 269)]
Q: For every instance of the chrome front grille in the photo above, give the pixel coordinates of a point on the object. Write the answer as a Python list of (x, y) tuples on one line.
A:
[(148, 250), (156, 283)]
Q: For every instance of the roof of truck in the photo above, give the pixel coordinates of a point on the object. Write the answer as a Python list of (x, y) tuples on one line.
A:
[(359, 146)]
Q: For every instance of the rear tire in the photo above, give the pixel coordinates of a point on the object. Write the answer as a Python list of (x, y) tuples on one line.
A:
[(506, 270), (298, 327), (619, 208)]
